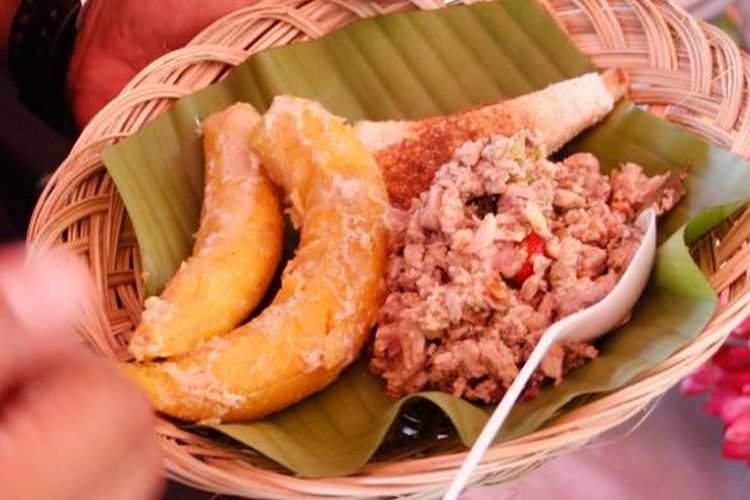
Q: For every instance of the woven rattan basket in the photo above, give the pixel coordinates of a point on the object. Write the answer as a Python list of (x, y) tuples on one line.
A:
[(685, 71)]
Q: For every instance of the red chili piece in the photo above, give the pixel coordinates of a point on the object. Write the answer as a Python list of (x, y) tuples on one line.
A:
[(534, 245)]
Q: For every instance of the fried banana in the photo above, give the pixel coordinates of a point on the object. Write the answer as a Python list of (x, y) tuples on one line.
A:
[(330, 291), (237, 247)]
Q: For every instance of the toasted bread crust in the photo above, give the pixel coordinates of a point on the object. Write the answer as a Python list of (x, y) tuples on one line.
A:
[(409, 153)]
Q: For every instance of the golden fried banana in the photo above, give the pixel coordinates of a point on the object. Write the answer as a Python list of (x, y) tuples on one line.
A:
[(330, 292), (237, 247)]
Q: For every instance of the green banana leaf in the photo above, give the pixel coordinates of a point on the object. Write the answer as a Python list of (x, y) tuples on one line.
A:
[(409, 66)]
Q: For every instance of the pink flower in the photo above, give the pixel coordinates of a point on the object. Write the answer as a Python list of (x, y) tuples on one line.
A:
[(733, 357), (735, 409), (737, 439), (742, 331), (701, 380), (717, 400), (726, 381)]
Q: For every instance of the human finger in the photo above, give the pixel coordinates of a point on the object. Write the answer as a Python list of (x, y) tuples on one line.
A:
[(40, 299), (72, 427)]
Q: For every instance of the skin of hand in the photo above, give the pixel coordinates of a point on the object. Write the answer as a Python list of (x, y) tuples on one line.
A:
[(71, 427), (118, 38)]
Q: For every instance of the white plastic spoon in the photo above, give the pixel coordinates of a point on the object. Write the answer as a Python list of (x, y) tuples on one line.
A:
[(586, 324)]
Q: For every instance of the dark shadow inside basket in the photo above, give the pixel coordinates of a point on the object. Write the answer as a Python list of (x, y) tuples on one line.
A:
[(408, 66)]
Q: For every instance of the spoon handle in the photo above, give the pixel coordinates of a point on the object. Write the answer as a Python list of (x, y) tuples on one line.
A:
[(498, 417)]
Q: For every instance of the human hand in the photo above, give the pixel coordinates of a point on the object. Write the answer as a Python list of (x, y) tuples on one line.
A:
[(70, 426), (118, 38)]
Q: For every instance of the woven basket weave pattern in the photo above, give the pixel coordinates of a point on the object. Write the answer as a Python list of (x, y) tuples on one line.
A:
[(687, 72)]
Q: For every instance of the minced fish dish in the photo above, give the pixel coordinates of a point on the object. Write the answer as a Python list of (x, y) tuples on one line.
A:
[(502, 244)]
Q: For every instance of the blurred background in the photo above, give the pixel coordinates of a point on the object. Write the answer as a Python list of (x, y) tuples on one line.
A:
[(683, 445)]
